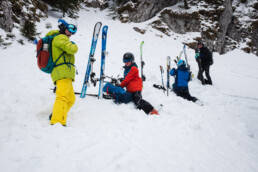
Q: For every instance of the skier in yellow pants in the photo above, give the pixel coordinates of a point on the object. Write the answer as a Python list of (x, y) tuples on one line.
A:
[(65, 99), (63, 73)]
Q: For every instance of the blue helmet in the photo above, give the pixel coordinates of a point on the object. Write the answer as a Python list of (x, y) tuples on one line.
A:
[(62, 24), (180, 63)]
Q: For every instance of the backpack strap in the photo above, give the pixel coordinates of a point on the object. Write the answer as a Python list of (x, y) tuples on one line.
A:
[(68, 64)]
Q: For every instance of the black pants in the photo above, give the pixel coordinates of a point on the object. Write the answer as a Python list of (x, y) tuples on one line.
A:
[(141, 103), (206, 69), (184, 93)]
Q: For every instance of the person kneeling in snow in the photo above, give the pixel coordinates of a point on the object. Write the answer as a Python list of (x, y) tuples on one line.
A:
[(133, 84), (182, 77)]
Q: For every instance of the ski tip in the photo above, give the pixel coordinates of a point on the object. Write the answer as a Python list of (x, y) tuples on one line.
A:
[(105, 28), (200, 103)]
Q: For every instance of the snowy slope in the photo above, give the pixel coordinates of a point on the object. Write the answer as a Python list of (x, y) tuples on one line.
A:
[(101, 136)]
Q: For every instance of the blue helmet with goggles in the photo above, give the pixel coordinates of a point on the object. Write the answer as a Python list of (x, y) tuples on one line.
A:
[(63, 25), (180, 63)]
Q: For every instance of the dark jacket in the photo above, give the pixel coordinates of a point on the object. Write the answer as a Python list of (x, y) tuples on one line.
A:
[(183, 76), (132, 81), (206, 56)]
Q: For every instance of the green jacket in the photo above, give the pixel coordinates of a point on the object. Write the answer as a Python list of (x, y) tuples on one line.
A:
[(60, 44)]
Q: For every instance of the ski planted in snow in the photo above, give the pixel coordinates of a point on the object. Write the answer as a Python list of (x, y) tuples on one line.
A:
[(162, 80), (103, 56), (186, 60), (178, 57), (162, 86), (142, 62), (91, 60), (168, 75)]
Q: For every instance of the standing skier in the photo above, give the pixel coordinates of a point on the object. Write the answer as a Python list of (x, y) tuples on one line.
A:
[(133, 84), (63, 74), (182, 77), (204, 59)]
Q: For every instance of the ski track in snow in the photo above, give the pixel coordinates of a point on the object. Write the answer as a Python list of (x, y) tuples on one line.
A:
[(101, 136)]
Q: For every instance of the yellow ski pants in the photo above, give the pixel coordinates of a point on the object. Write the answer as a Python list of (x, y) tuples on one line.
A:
[(65, 99)]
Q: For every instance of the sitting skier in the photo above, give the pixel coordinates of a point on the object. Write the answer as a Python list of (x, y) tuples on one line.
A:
[(133, 84), (182, 77)]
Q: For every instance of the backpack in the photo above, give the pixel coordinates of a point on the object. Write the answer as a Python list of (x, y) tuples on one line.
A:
[(44, 54)]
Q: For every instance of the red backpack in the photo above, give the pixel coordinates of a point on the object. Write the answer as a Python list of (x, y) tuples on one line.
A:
[(44, 54)]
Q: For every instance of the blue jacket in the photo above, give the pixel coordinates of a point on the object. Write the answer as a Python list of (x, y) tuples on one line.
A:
[(183, 76)]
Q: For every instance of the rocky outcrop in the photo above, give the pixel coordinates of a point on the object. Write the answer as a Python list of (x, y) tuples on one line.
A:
[(6, 21), (224, 22), (181, 22), (18, 13), (96, 4), (254, 35), (142, 10)]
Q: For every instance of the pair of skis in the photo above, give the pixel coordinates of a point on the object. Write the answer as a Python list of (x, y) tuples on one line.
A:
[(180, 57), (91, 60)]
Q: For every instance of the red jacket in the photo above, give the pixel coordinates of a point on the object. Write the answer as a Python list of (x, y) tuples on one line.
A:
[(132, 81)]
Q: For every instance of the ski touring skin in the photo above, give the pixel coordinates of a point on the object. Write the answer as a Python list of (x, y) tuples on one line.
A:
[(91, 60), (103, 56)]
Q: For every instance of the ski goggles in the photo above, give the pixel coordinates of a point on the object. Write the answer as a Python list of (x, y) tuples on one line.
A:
[(71, 28), (127, 60)]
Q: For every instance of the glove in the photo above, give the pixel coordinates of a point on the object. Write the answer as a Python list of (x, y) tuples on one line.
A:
[(197, 55), (35, 42), (120, 79), (192, 75), (115, 81), (117, 84)]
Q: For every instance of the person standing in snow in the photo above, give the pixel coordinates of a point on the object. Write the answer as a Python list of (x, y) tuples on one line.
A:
[(133, 84), (63, 74), (182, 77), (204, 59)]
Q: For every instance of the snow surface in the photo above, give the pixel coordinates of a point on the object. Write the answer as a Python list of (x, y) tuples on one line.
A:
[(221, 136)]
